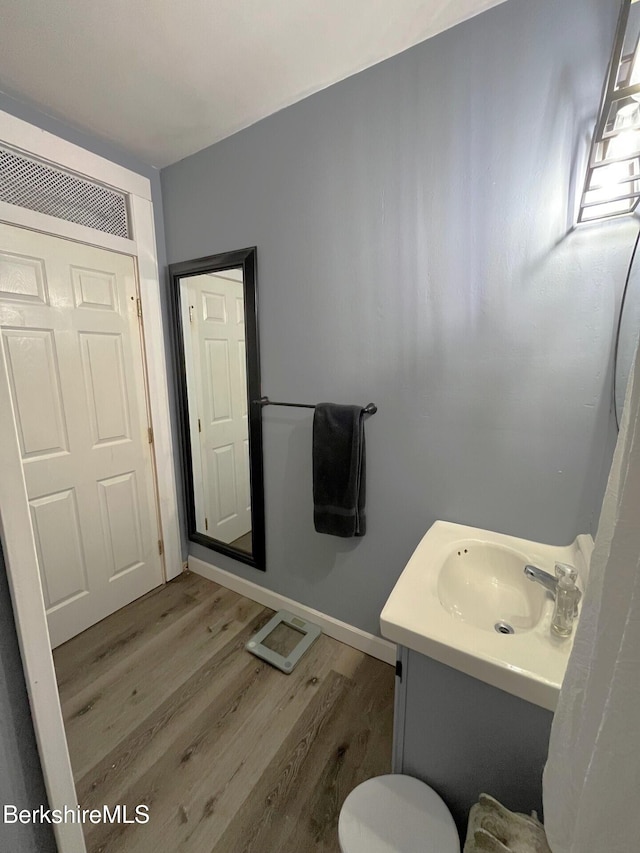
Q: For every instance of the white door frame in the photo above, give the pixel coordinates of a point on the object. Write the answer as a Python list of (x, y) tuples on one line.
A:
[(15, 518)]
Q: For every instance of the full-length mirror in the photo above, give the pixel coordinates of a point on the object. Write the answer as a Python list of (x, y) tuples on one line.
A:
[(218, 375)]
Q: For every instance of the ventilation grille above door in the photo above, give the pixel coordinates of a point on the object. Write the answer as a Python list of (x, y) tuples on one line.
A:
[(38, 186)]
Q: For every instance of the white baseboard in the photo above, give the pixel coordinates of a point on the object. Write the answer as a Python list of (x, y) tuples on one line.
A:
[(356, 638)]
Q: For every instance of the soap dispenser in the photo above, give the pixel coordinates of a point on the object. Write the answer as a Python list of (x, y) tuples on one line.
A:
[(567, 597)]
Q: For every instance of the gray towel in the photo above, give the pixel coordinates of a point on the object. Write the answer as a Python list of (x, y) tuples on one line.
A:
[(339, 470)]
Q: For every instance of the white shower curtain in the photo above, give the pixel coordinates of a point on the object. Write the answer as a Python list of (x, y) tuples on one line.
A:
[(591, 785)]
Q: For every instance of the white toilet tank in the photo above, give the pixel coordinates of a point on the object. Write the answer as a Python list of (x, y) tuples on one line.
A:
[(396, 814)]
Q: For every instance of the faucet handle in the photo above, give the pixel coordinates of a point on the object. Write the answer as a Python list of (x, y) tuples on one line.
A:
[(564, 570)]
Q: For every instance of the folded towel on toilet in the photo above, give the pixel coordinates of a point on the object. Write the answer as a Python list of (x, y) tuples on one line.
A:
[(494, 829)]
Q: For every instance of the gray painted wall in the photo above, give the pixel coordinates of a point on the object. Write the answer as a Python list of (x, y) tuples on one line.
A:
[(21, 782), (411, 225)]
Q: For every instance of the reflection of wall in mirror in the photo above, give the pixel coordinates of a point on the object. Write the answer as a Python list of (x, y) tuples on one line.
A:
[(213, 322)]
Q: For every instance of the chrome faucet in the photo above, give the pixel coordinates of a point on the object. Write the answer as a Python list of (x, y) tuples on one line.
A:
[(563, 570), (542, 577)]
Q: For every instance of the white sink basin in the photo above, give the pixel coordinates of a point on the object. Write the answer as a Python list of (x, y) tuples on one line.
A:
[(483, 583), (464, 600)]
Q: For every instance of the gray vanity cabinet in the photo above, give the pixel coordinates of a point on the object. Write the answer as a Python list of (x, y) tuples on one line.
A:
[(463, 737)]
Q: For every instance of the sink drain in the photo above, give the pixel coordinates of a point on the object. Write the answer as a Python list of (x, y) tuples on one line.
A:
[(504, 628)]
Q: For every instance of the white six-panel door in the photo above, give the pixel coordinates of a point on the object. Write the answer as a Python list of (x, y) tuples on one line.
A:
[(72, 342), (218, 333)]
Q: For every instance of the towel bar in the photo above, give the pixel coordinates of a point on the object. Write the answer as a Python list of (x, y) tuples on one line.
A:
[(369, 409)]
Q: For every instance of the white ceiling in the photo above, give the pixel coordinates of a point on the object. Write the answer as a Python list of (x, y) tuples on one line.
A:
[(166, 78)]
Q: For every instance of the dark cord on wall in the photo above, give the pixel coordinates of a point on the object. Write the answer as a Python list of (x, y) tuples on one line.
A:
[(617, 343)]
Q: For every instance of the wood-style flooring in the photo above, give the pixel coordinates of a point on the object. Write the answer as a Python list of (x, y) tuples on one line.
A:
[(244, 542), (163, 707)]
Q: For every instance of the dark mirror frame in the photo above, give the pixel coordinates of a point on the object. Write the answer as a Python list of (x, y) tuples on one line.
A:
[(247, 260)]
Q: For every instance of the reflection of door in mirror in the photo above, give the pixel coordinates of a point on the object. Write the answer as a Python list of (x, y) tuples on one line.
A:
[(215, 361)]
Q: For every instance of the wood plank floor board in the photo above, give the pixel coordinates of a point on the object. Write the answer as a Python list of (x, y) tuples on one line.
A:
[(101, 647), (356, 747), (171, 782), (164, 636), (252, 733), (295, 804), (135, 754), (254, 822), (98, 719), (231, 788), (148, 648), (207, 761), (163, 706)]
